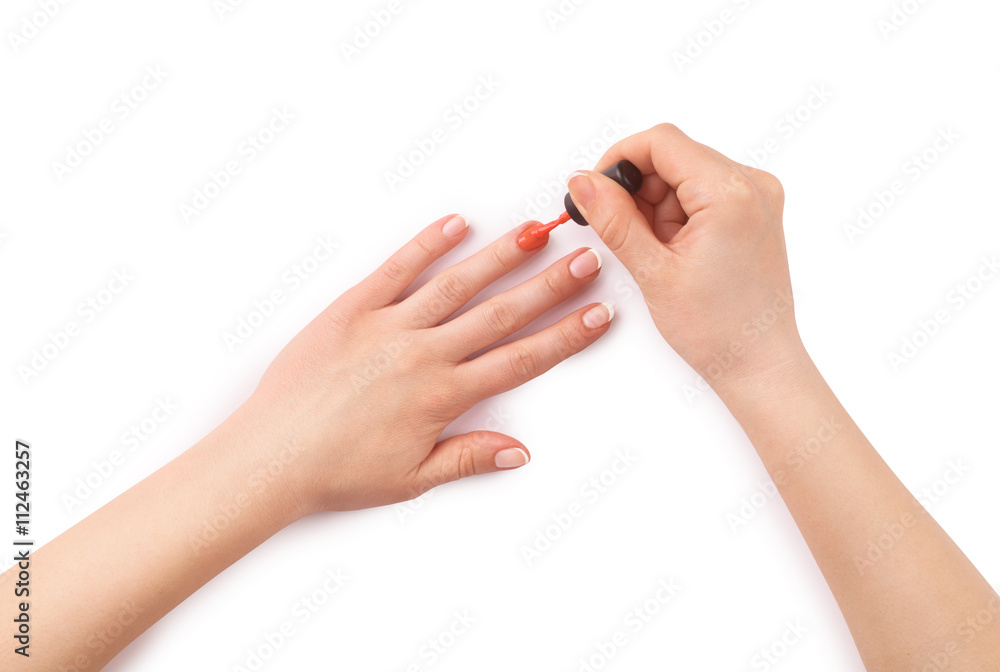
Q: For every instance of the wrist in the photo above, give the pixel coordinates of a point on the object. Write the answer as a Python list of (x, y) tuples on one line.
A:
[(265, 464), (781, 366)]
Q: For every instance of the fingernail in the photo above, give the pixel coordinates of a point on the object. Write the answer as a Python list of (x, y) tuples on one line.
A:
[(581, 189), (598, 316), (454, 226), (508, 458), (586, 264)]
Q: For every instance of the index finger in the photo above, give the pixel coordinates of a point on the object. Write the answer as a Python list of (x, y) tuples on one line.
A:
[(666, 151)]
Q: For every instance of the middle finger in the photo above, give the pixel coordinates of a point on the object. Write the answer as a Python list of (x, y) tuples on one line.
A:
[(514, 309), (455, 286)]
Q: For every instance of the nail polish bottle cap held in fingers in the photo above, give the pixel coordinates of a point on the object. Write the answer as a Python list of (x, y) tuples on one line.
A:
[(624, 173)]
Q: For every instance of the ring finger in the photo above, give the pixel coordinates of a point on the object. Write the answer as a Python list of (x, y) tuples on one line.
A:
[(514, 309), (455, 286)]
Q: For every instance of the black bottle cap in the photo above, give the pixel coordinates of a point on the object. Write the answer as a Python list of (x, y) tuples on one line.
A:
[(624, 173)]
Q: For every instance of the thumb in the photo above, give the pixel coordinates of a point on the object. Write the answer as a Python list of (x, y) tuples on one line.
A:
[(611, 212), (470, 454)]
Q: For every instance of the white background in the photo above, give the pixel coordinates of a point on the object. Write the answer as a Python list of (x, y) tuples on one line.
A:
[(606, 68)]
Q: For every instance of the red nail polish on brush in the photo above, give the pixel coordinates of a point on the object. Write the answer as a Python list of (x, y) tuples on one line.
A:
[(624, 173)]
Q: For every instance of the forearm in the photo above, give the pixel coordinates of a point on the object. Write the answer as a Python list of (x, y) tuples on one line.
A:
[(107, 579), (904, 587)]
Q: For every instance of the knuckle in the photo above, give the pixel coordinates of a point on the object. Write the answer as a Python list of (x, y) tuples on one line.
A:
[(451, 289), (501, 317), (553, 284), (765, 188), (616, 230), (733, 186), (465, 460), (498, 256), (665, 129), (425, 246), (394, 270), (524, 363), (739, 183), (771, 185), (569, 342)]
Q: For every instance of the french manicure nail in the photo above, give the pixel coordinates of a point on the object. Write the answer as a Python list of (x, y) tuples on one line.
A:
[(586, 264), (508, 458), (598, 316), (454, 226)]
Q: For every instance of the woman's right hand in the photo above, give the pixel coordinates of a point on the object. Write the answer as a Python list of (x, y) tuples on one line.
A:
[(703, 240)]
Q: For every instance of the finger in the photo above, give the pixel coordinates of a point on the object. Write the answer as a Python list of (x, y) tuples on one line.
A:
[(616, 218), (697, 178), (666, 216), (454, 286), (392, 278), (666, 151), (658, 202), (470, 454), (515, 363), (505, 313)]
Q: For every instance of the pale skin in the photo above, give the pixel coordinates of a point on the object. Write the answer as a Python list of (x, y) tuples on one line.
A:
[(703, 240)]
